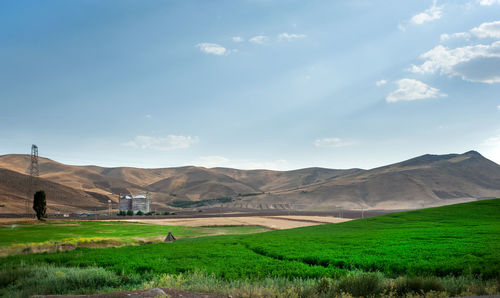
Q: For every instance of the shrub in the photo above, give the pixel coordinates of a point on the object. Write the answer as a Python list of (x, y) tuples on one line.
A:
[(418, 284), (130, 213), (324, 287), (48, 279), (456, 285), (139, 213), (122, 213), (361, 284)]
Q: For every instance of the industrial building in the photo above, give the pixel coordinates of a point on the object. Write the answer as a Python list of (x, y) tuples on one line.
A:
[(136, 203)]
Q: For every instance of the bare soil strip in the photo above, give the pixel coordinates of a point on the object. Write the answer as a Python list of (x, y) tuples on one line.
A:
[(273, 222), (313, 219)]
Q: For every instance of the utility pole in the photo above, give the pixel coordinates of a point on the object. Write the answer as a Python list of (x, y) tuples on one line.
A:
[(34, 173)]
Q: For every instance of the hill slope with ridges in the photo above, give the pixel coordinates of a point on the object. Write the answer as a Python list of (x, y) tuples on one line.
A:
[(427, 180)]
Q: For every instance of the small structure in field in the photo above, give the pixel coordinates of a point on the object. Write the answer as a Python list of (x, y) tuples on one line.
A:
[(170, 237), (135, 203)]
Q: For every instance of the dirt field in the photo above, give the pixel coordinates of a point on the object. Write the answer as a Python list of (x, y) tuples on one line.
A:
[(273, 222)]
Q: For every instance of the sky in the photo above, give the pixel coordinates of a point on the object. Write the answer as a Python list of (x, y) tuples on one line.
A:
[(275, 84)]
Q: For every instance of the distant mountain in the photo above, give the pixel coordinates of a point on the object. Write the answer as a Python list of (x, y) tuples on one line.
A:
[(428, 180)]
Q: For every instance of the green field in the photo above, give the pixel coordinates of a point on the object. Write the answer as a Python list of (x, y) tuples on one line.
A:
[(17, 236), (442, 245), (29, 233)]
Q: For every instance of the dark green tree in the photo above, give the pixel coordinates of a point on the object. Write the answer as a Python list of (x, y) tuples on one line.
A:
[(130, 213), (40, 204)]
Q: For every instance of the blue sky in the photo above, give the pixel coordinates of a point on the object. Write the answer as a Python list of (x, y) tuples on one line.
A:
[(251, 83)]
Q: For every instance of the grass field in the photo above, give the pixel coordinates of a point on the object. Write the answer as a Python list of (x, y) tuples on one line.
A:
[(16, 237), (452, 247)]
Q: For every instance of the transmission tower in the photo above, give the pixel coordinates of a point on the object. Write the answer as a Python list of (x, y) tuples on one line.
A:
[(34, 173)]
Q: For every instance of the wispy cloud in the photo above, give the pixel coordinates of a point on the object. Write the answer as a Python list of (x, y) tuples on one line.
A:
[(493, 141), (410, 89), (238, 39), (380, 83), (148, 116), (446, 37), (331, 143), (259, 39), (170, 142), (491, 148), (212, 48), (278, 165), (431, 14), (290, 36), (428, 15), (488, 2), (498, 107), (212, 161)]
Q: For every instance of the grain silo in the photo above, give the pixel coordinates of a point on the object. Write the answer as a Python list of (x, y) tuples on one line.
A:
[(136, 203)]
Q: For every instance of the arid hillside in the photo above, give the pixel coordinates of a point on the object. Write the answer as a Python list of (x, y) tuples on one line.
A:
[(428, 180)]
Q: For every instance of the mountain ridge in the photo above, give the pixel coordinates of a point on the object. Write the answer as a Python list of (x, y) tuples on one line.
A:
[(426, 180)]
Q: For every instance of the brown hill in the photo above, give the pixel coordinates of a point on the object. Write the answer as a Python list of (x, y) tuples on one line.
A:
[(200, 183), (427, 180), (266, 180), (14, 188)]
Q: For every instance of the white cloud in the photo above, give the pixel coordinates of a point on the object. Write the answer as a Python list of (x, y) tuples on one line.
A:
[(428, 15), (475, 63), (498, 107), (289, 37), (212, 161), (485, 30), (488, 2), (212, 48), (238, 39), (259, 39), (170, 142), (380, 83), (148, 116), (331, 143), (410, 89)]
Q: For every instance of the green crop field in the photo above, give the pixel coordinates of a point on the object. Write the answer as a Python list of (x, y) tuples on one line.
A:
[(15, 237), (452, 242), (29, 233)]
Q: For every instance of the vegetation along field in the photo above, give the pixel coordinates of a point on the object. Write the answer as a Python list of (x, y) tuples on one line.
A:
[(451, 250)]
